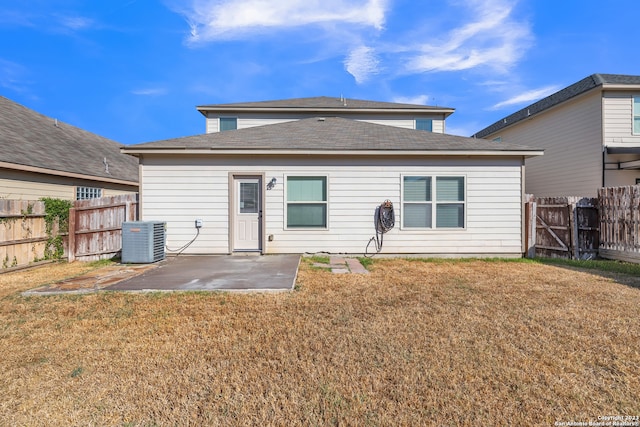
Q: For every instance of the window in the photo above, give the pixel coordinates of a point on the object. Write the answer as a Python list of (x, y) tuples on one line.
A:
[(249, 197), (424, 124), (228, 123), (636, 115), (497, 139), (426, 200), (450, 202), (84, 193), (417, 202), (306, 202)]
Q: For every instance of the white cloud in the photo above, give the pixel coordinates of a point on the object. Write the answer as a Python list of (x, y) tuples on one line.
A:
[(152, 91), (417, 99), (75, 23), (526, 97), (12, 76), (494, 38), (362, 63), (211, 20), (478, 33)]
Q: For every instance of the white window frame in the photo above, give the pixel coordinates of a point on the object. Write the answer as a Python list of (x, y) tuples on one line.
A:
[(88, 193), (635, 115), (434, 203), (415, 123), (286, 201), (226, 117)]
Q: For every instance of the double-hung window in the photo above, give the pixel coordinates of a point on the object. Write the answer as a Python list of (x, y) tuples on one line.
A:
[(636, 115), (424, 124), (306, 202), (433, 202), (228, 123)]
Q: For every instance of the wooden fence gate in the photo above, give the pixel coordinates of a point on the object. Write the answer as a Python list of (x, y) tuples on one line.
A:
[(95, 226), (562, 227)]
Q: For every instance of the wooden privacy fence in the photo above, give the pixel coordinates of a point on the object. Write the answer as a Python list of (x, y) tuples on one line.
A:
[(23, 233), (620, 223), (562, 227), (95, 226)]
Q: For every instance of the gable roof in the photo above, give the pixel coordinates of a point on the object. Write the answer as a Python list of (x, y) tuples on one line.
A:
[(324, 104), (614, 81), (32, 141), (331, 135)]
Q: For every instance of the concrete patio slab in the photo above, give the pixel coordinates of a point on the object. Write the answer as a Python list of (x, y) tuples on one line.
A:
[(216, 273)]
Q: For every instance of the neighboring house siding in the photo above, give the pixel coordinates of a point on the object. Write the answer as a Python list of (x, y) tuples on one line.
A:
[(618, 119), (618, 132), (20, 185), (255, 119), (571, 136), (179, 190)]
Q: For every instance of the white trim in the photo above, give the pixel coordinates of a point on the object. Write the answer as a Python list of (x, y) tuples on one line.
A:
[(415, 123), (634, 113), (35, 169), (231, 199), (226, 117), (434, 203), (278, 152), (92, 192), (286, 201), (445, 111)]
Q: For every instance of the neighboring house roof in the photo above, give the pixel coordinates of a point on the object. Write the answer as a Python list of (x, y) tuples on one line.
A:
[(613, 81), (330, 135), (31, 141), (325, 104)]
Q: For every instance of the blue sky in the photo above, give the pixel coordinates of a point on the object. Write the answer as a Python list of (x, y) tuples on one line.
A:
[(134, 70)]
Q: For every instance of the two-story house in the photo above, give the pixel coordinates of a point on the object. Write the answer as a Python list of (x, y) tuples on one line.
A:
[(314, 174), (590, 132), (243, 115)]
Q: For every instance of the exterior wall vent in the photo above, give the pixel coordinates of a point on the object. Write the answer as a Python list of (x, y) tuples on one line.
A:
[(143, 242)]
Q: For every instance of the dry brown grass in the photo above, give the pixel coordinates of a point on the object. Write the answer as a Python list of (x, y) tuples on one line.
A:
[(413, 343)]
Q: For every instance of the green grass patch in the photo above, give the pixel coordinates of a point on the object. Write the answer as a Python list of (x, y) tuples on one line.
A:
[(609, 266), (366, 262), (320, 259)]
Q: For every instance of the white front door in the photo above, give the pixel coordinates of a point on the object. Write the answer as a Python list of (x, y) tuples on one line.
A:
[(247, 214)]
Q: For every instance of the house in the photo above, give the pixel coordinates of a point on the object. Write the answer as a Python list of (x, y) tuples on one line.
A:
[(315, 184), (222, 117), (590, 132), (44, 157)]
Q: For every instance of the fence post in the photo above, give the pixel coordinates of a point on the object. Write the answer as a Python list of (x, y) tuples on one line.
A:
[(72, 235), (573, 231), (530, 220)]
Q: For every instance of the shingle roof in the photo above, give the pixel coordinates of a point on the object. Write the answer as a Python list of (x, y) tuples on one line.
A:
[(323, 103), (29, 138), (328, 134), (563, 95)]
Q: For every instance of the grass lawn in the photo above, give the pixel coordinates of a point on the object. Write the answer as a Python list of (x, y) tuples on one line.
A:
[(413, 343)]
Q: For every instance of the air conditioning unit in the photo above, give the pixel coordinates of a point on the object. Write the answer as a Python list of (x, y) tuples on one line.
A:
[(143, 242)]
